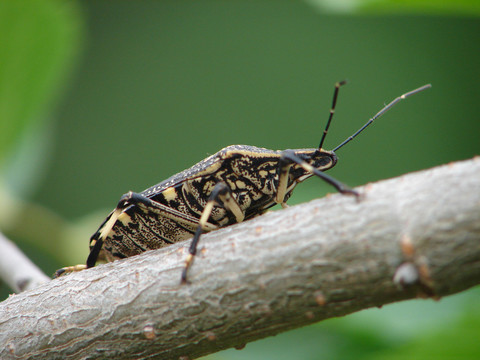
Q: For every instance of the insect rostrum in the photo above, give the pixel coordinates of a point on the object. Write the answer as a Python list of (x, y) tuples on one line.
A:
[(235, 184)]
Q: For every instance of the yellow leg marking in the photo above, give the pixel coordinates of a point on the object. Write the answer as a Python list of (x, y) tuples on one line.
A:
[(77, 267), (232, 205), (110, 223), (229, 203), (282, 185), (307, 167), (188, 260), (70, 269), (205, 215)]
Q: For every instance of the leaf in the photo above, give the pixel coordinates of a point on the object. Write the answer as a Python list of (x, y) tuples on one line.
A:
[(39, 41)]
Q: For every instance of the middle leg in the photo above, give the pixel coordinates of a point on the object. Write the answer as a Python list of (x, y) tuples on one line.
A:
[(220, 195)]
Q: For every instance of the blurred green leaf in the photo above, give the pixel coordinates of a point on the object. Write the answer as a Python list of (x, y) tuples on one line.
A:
[(39, 41), (458, 339), (465, 7)]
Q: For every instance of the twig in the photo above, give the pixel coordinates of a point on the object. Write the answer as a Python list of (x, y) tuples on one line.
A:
[(16, 269), (416, 235)]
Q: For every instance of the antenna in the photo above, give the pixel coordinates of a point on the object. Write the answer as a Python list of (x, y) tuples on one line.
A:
[(332, 111), (381, 112)]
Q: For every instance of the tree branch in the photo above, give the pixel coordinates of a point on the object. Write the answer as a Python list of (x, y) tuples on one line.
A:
[(408, 237), (16, 269)]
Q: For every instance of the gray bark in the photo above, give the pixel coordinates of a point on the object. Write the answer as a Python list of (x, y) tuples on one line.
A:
[(416, 235)]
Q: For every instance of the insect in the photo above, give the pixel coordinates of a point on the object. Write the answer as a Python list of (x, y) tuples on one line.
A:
[(237, 183)]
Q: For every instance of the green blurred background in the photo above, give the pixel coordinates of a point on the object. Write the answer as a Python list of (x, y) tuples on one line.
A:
[(101, 97)]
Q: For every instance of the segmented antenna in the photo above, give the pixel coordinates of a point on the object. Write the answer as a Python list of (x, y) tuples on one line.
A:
[(332, 111), (381, 112)]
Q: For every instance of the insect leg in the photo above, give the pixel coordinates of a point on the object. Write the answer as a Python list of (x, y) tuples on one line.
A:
[(287, 159), (147, 204), (91, 260), (96, 241), (284, 169), (96, 245), (69, 269), (135, 199), (220, 195)]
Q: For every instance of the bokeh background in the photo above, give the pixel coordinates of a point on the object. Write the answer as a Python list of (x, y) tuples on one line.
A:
[(101, 97)]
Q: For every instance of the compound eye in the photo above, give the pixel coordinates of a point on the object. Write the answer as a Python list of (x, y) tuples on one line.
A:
[(325, 160)]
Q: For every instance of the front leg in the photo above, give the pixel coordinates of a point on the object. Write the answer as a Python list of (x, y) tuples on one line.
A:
[(221, 195)]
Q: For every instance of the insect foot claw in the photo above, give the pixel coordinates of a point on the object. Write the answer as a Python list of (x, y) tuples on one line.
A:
[(348, 191), (59, 273), (188, 262), (184, 280)]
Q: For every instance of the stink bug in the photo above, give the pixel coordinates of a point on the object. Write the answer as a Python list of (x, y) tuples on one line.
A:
[(237, 183)]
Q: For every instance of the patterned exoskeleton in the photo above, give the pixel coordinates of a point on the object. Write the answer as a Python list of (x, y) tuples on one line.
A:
[(235, 184)]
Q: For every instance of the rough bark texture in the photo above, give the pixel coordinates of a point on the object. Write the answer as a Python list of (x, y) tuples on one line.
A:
[(283, 270)]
